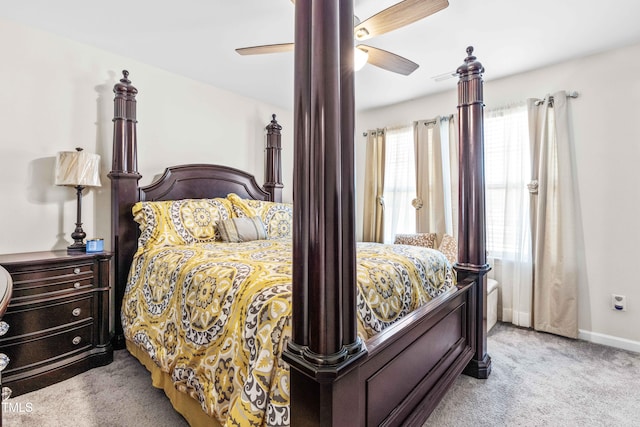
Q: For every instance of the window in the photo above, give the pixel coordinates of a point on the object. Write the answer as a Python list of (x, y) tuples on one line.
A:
[(507, 172), (399, 183)]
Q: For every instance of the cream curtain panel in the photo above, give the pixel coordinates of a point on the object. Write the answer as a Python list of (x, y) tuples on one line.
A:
[(373, 223), (436, 157), (555, 219), (449, 136)]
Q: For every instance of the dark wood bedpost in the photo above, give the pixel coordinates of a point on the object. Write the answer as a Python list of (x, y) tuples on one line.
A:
[(324, 343), (472, 258), (348, 185), (273, 170), (124, 191)]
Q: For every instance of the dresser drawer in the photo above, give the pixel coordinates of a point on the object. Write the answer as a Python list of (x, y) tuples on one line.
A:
[(46, 349), (51, 279), (63, 271), (50, 287), (26, 319)]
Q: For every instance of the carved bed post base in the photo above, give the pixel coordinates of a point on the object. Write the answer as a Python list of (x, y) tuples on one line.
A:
[(326, 401), (480, 365)]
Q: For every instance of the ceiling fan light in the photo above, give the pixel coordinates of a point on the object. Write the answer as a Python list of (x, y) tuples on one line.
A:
[(360, 57), (361, 33)]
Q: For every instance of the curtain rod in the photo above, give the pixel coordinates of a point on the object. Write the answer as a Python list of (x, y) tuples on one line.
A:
[(571, 94), (426, 123), (377, 131), (434, 121)]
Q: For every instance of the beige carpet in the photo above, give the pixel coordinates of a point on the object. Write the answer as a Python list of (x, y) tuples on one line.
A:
[(545, 380), (537, 380), (117, 395)]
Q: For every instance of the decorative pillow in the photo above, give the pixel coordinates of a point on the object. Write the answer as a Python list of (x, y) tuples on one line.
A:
[(276, 217), (180, 222), (236, 230), (427, 240), (449, 247)]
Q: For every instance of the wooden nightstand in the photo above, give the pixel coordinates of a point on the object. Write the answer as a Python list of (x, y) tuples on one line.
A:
[(6, 287), (58, 317)]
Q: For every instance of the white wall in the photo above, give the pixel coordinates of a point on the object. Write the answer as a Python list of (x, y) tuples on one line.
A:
[(607, 139), (58, 94)]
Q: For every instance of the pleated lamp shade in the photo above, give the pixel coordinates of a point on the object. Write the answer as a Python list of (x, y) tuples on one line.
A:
[(78, 168)]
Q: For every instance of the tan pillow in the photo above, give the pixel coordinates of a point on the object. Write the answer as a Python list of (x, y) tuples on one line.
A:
[(237, 230), (428, 240), (449, 247)]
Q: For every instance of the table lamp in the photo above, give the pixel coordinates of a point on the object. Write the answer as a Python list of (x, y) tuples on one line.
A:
[(78, 169)]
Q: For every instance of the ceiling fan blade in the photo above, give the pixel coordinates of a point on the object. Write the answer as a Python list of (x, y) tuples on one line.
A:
[(267, 48), (397, 16), (388, 61)]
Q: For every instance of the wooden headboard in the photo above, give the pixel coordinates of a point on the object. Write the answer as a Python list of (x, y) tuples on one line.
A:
[(202, 181)]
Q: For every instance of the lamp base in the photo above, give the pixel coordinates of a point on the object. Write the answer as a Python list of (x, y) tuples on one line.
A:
[(78, 234), (77, 248)]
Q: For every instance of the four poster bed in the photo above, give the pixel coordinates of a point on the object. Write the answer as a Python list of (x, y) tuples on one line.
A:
[(297, 309)]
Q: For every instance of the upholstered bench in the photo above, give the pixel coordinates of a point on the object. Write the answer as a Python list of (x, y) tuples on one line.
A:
[(492, 303), (428, 240)]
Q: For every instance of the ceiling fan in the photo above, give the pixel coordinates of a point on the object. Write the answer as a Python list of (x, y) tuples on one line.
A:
[(392, 18)]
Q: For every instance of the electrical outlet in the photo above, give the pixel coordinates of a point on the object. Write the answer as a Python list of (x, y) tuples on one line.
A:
[(618, 302)]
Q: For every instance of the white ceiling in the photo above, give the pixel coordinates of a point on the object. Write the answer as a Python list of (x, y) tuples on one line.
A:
[(197, 38)]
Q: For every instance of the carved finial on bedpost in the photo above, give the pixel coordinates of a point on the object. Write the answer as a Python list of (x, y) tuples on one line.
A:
[(273, 170), (472, 260), (274, 127), (124, 126), (471, 61), (471, 65)]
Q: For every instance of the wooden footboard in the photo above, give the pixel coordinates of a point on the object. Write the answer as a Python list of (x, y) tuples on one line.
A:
[(406, 372)]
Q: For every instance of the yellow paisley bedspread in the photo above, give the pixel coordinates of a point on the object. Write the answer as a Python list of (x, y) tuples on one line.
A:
[(216, 316)]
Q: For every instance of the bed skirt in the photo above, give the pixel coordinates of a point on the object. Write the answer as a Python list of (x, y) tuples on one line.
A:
[(184, 404)]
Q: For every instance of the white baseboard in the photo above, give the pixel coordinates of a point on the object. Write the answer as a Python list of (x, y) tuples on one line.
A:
[(609, 340)]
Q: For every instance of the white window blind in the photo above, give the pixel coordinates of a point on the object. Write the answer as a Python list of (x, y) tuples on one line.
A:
[(399, 183)]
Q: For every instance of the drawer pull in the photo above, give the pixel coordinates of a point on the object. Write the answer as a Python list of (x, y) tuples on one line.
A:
[(6, 393), (4, 361), (4, 328), (76, 340), (76, 270), (76, 285), (76, 312)]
